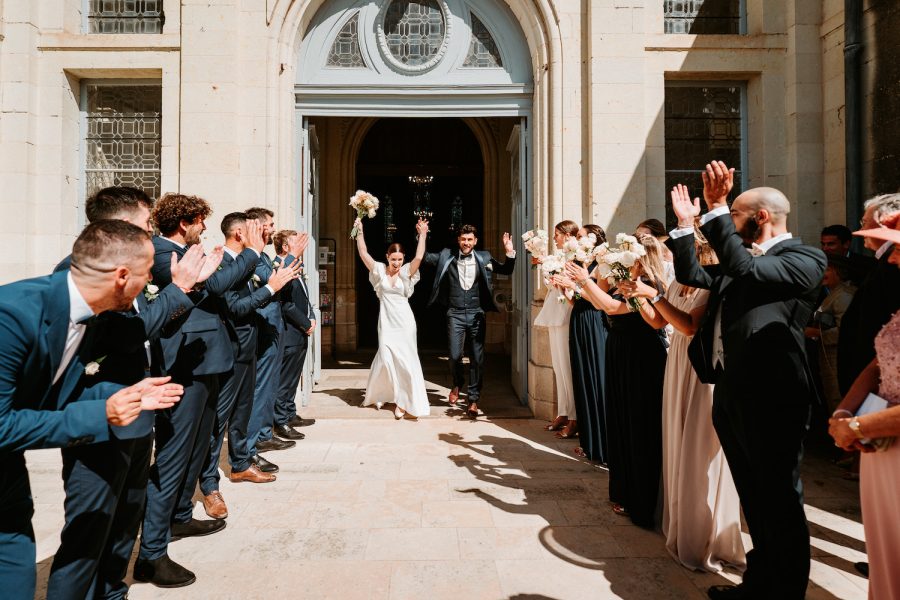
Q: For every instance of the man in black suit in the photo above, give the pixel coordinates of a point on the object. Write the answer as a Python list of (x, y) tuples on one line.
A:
[(235, 405), (195, 351), (836, 240), (47, 357), (875, 301), (106, 483), (464, 286), (751, 346)]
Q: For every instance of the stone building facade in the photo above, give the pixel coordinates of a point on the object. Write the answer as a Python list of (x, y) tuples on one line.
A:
[(522, 113)]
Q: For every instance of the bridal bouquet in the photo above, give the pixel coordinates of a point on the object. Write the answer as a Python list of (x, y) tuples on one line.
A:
[(536, 243), (365, 205), (616, 262), (584, 249), (554, 264)]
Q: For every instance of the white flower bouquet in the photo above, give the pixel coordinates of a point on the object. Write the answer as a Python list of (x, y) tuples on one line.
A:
[(536, 242), (616, 262), (366, 205)]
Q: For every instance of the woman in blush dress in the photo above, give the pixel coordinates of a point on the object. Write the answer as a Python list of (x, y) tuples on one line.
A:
[(635, 363), (396, 373), (554, 316), (701, 509), (873, 434)]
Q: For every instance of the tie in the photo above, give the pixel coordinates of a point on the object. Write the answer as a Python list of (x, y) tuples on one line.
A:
[(466, 256)]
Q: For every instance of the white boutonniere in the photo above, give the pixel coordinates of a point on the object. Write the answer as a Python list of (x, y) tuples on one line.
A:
[(93, 367), (151, 292), (256, 280), (489, 267)]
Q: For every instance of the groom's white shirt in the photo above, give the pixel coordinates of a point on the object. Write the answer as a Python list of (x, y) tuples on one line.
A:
[(468, 269)]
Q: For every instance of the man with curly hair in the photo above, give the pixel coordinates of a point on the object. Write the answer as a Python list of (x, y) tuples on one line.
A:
[(196, 350)]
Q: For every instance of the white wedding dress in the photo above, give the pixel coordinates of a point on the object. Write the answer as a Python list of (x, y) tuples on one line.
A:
[(396, 373)]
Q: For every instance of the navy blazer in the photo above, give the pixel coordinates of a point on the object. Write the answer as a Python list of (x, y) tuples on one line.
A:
[(296, 308), (35, 412), (271, 323), (198, 342), (768, 299), (486, 266), (242, 300)]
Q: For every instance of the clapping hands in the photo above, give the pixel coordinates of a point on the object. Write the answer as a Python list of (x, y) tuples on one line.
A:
[(718, 180), (297, 244)]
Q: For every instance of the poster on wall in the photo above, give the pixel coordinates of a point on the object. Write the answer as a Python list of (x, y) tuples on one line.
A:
[(323, 276)]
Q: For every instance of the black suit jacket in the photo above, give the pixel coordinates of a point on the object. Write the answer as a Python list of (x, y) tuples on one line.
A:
[(876, 300), (198, 342), (241, 303), (487, 265), (765, 301), (297, 310)]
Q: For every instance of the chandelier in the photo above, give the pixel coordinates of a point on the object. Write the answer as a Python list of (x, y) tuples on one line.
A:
[(421, 196)]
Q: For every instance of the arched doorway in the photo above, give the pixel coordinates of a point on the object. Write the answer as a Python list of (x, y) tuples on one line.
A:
[(382, 64), (395, 150)]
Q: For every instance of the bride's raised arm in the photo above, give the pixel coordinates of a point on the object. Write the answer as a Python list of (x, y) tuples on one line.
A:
[(422, 228), (361, 246)]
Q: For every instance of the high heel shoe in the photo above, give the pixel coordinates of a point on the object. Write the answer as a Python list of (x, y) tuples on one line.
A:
[(398, 413)]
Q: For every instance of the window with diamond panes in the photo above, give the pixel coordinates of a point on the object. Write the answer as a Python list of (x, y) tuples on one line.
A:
[(703, 16), (414, 30), (483, 51), (345, 49), (702, 123), (125, 16), (122, 138)]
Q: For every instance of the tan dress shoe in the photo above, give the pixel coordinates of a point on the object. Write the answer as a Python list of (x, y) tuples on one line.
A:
[(214, 505), (253, 475)]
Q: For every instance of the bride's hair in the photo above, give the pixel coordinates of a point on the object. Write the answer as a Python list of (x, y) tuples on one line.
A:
[(395, 248)]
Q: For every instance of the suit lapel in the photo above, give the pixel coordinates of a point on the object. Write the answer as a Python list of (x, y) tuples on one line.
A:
[(56, 319), (448, 258)]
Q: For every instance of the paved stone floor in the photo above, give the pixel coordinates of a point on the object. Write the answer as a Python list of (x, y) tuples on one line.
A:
[(368, 507)]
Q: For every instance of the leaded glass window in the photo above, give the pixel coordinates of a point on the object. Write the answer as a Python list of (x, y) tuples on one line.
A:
[(125, 16), (702, 123), (122, 138), (483, 50), (702, 16), (414, 31), (345, 49)]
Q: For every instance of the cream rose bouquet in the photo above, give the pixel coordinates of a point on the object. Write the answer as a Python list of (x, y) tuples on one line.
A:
[(366, 205), (536, 243), (616, 262)]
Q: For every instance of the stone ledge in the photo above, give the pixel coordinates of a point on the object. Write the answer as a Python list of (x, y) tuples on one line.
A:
[(156, 42)]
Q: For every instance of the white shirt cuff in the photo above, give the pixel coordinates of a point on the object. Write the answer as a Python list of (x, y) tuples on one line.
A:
[(270, 288), (511, 254), (681, 232), (716, 212)]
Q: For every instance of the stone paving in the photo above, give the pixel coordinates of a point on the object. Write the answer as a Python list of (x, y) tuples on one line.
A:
[(371, 508)]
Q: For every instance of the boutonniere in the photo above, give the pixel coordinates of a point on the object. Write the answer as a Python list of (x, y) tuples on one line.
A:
[(151, 292), (256, 280), (93, 367), (489, 267)]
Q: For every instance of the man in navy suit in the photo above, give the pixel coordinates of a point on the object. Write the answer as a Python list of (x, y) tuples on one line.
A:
[(46, 354), (235, 405), (751, 345), (196, 350), (106, 483), (300, 322), (463, 285)]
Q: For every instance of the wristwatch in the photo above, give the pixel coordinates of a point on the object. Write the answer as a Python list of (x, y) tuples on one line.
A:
[(854, 427)]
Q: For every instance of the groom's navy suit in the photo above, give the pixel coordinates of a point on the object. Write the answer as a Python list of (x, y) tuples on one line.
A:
[(764, 389), (466, 308), (35, 412), (196, 348)]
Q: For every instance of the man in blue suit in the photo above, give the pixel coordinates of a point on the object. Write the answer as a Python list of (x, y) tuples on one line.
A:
[(106, 483), (236, 396), (46, 355), (196, 350)]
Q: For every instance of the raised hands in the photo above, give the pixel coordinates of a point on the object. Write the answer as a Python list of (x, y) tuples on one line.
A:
[(186, 272), (255, 238), (508, 243), (280, 277), (212, 262), (421, 227), (359, 226), (576, 272), (718, 180), (684, 209), (636, 289)]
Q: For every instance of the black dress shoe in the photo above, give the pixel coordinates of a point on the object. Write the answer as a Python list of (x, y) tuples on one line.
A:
[(729, 592), (264, 465), (287, 432), (862, 568), (274, 444), (196, 528), (162, 572), (298, 421)]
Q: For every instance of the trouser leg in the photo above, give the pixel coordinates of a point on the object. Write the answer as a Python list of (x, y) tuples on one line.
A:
[(292, 368), (268, 376), (17, 548), (228, 397), (456, 337), (475, 332), (239, 443)]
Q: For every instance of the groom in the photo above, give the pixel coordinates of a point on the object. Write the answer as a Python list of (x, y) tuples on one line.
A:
[(463, 285)]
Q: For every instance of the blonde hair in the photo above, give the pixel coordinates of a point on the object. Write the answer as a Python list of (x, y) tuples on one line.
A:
[(652, 262)]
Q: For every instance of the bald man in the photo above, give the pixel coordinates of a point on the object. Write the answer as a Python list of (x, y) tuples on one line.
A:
[(751, 346)]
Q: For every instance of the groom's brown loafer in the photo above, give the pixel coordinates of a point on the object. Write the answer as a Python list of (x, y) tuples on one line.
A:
[(472, 411), (454, 396)]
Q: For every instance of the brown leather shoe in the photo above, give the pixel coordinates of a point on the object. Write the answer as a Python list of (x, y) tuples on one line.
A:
[(454, 396), (214, 505), (253, 475)]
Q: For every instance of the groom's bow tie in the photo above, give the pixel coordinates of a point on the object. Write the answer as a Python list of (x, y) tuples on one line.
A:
[(466, 256)]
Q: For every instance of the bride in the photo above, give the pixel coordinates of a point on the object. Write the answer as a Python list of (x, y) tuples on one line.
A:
[(396, 374)]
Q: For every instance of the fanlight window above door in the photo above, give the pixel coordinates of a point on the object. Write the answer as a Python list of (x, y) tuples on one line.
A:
[(483, 50), (414, 31), (345, 49)]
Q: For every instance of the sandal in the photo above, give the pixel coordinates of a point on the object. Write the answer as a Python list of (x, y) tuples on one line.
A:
[(619, 509), (556, 424), (579, 452), (568, 432)]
